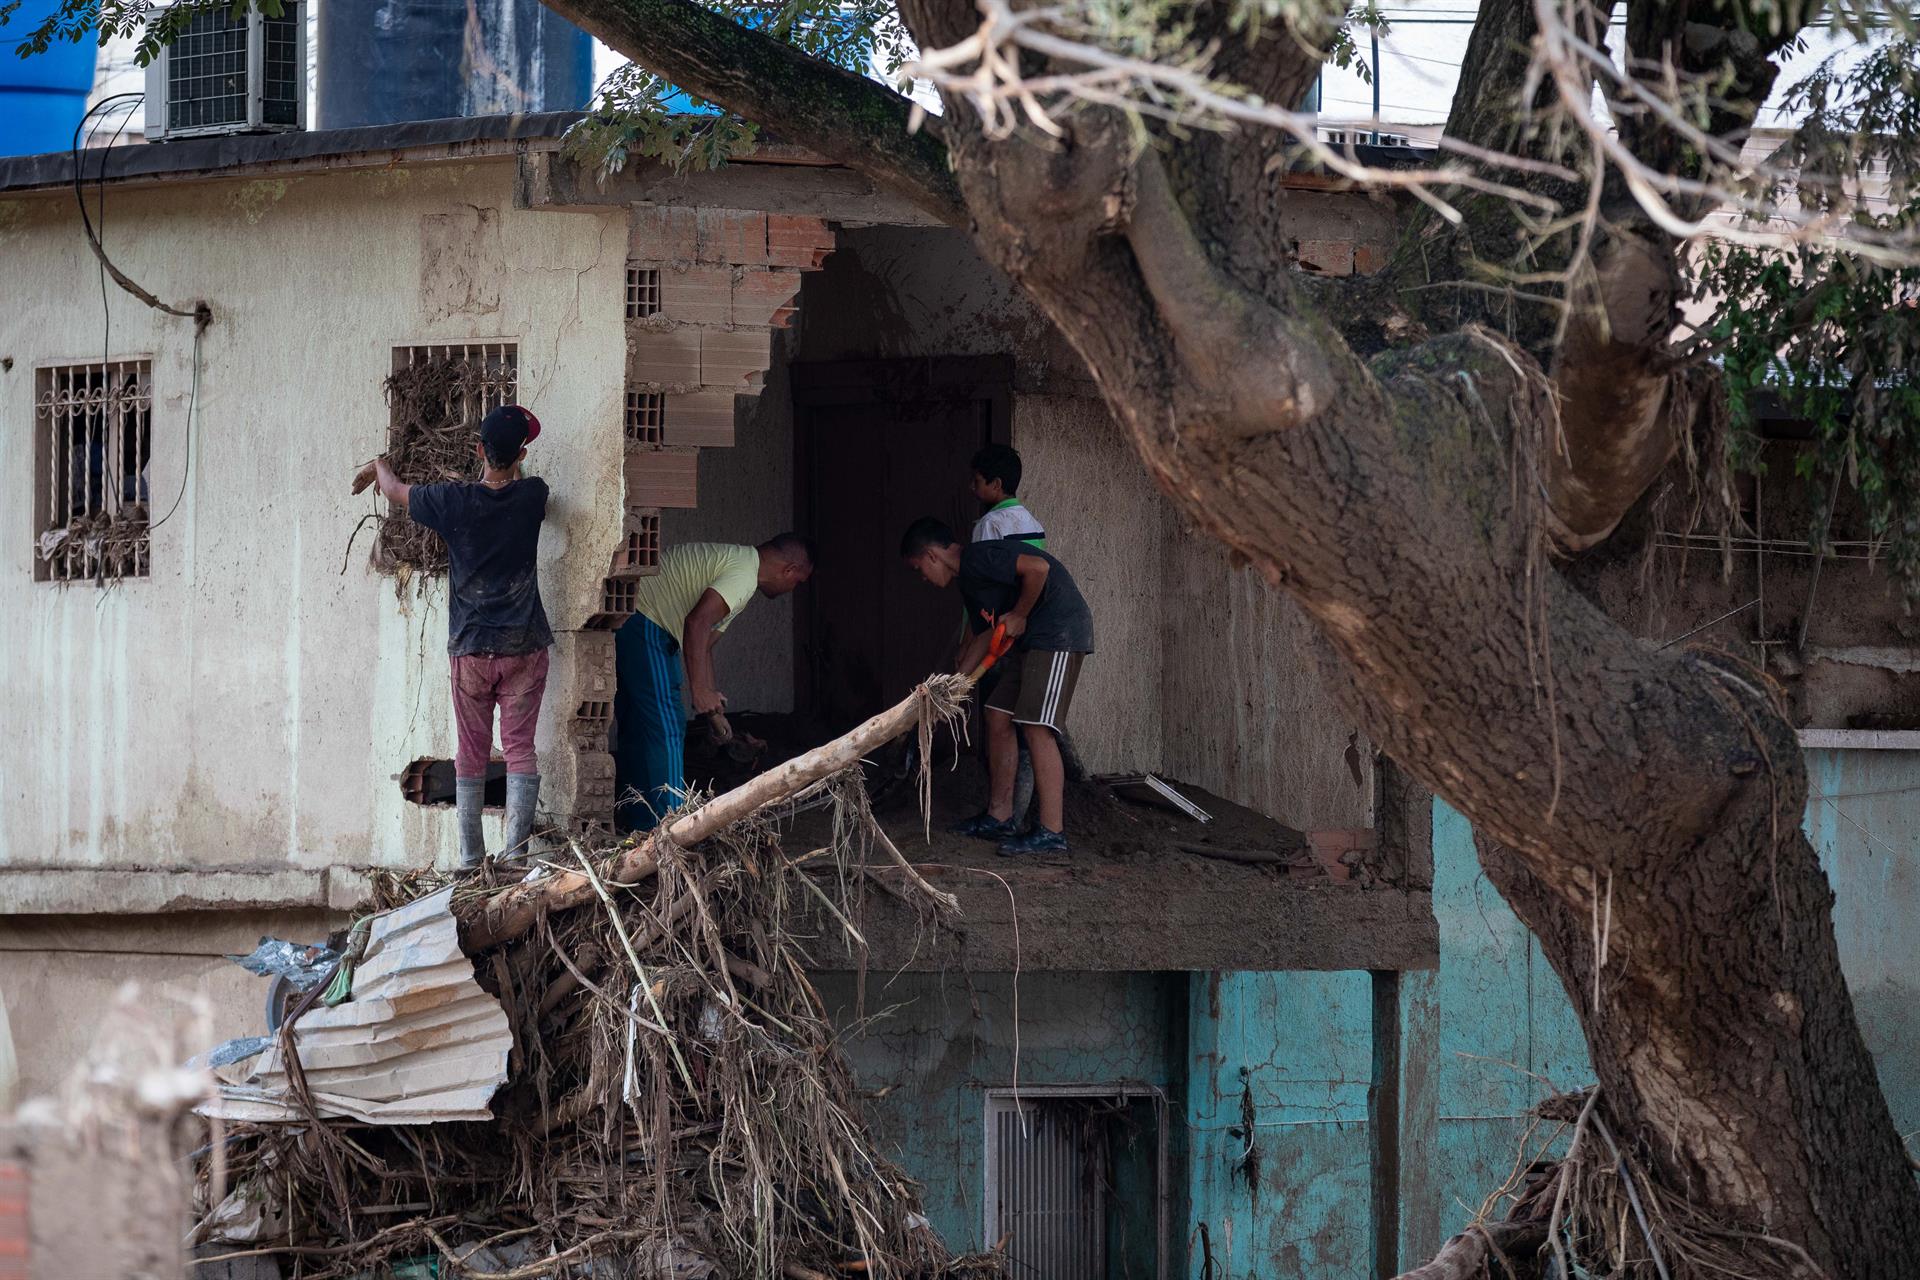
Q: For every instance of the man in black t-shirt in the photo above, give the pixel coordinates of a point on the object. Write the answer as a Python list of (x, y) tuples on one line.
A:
[(497, 633), (1014, 584)]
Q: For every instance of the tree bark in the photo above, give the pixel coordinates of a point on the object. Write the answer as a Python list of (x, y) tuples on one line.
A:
[(1642, 807)]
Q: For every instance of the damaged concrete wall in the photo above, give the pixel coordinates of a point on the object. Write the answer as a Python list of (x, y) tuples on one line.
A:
[(746, 495), (249, 704), (1251, 712), (1255, 719)]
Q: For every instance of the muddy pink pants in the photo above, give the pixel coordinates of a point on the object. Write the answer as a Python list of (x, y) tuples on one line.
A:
[(480, 681)]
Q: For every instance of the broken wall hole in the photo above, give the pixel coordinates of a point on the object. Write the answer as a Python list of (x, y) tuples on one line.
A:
[(643, 292), (430, 781), (436, 397)]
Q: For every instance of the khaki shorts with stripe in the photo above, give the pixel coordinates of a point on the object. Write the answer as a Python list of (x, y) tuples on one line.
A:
[(1036, 686)]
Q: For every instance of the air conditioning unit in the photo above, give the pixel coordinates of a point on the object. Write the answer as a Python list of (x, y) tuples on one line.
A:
[(226, 74)]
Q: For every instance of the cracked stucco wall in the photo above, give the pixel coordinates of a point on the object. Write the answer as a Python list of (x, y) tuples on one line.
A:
[(249, 704)]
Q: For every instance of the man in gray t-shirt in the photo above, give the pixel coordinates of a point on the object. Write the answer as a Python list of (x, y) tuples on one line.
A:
[(1012, 584)]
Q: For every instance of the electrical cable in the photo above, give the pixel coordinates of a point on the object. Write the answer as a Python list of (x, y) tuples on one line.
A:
[(201, 314), (186, 462)]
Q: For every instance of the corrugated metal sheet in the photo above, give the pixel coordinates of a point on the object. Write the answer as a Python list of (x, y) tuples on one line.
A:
[(418, 1042)]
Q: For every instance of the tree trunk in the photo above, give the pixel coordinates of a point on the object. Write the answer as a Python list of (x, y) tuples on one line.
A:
[(1645, 804)]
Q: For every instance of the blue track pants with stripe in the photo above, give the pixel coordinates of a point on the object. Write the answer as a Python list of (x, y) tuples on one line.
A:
[(650, 724)]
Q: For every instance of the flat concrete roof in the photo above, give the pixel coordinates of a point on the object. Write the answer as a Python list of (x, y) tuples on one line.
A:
[(413, 141), (459, 137)]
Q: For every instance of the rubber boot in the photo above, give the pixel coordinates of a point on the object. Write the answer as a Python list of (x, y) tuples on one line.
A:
[(523, 790), (470, 795)]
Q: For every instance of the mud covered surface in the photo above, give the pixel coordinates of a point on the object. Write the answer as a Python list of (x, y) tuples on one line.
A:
[(1126, 896)]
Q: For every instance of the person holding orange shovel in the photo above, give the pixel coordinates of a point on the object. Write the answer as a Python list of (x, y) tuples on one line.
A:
[(1015, 593)]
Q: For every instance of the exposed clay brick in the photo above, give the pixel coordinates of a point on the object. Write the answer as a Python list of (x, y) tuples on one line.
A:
[(638, 555), (659, 233), (697, 295), (1369, 258), (765, 297), (798, 242), (733, 360), (731, 235), (1327, 257), (669, 356), (661, 478), (15, 1232), (1340, 840), (703, 418)]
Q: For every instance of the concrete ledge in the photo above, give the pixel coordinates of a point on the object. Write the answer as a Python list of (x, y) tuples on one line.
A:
[(1860, 739), (43, 891), (1119, 919)]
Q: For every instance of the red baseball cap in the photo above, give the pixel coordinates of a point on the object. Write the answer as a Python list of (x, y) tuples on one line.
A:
[(509, 429)]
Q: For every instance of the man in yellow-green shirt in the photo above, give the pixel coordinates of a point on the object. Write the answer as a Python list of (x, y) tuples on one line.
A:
[(680, 612)]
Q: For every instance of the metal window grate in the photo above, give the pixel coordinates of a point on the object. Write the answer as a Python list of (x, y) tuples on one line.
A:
[(643, 292), (489, 375), (646, 417), (93, 446), (207, 72)]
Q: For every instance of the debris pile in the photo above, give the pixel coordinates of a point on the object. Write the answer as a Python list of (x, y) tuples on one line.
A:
[(437, 404), (675, 1103)]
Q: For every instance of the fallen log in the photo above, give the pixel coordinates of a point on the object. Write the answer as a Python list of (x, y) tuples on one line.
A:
[(508, 914)]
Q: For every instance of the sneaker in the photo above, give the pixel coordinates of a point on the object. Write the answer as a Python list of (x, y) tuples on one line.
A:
[(1038, 840), (984, 826)]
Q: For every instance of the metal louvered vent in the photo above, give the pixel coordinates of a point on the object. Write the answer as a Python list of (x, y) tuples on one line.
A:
[(1046, 1193), (230, 74)]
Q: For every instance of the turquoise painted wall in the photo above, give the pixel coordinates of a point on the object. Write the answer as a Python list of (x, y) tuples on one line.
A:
[(936, 1043), (1278, 1072), (1504, 1017), (1506, 1037), (1269, 1073), (1863, 815)]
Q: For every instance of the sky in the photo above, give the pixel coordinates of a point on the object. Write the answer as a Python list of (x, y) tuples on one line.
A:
[(1418, 61)]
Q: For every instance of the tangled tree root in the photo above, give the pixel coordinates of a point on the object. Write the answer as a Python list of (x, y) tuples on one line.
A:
[(677, 1104), (1598, 1213)]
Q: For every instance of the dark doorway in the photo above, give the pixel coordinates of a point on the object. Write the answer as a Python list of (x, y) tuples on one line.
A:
[(880, 443)]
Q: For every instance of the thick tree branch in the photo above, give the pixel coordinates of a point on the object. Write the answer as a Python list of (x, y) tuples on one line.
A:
[(845, 117)]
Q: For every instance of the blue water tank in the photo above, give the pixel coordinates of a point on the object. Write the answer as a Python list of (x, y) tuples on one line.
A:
[(389, 61), (42, 96)]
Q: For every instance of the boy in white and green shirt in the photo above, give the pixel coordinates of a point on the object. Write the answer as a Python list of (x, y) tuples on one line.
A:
[(996, 478)]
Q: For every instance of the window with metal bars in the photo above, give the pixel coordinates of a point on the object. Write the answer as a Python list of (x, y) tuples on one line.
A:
[(643, 292), (1076, 1181), (646, 417), (436, 397), (93, 446)]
